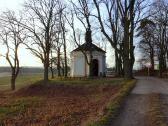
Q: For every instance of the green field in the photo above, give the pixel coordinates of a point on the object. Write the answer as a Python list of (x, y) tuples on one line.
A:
[(25, 80), (22, 80)]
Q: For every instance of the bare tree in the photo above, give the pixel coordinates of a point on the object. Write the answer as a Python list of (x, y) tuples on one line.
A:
[(147, 43), (82, 12), (111, 28), (63, 34), (153, 31), (160, 18), (41, 24), (12, 35), (127, 12)]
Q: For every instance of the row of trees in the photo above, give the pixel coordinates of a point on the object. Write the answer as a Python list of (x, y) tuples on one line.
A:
[(154, 36), (46, 26), (116, 20), (42, 31)]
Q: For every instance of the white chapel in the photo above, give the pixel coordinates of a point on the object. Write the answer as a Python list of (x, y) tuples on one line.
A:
[(79, 65)]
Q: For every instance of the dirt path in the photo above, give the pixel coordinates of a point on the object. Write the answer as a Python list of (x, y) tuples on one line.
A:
[(136, 106)]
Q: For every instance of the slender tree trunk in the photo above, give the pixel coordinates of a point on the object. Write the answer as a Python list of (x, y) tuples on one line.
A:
[(161, 61), (45, 72), (160, 67), (52, 72), (152, 62), (15, 71), (88, 40), (58, 63), (117, 65), (90, 65), (13, 84), (46, 66), (121, 61), (164, 60), (63, 69), (161, 55), (51, 66), (65, 58), (14, 68), (13, 79)]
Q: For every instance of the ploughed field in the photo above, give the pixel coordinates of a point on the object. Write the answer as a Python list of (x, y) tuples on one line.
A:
[(62, 102)]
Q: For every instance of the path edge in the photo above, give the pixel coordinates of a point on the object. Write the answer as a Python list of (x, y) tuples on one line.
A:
[(115, 105)]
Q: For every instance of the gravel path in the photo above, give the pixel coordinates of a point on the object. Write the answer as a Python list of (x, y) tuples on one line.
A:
[(136, 105)]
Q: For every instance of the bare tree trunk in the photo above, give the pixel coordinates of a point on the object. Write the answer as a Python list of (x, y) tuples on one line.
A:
[(160, 67), (88, 40), (51, 66), (14, 74), (13, 83), (152, 62), (91, 65), (126, 55), (118, 64), (117, 71), (52, 72), (13, 78), (132, 57), (58, 62), (63, 69), (46, 65), (45, 72), (127, 68), (131, 39), (65, 57)]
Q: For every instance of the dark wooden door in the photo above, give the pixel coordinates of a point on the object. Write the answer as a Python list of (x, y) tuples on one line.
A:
[(95, 68)]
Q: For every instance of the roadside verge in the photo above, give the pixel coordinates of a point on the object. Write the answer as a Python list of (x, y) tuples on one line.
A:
[(114, 105)]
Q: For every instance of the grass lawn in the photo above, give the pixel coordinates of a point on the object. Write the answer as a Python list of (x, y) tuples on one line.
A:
[(62, 102), (26, 80), (22, 81)]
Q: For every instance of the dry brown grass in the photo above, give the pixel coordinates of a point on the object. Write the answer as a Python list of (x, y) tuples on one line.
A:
[(155, 117), (56, 104)]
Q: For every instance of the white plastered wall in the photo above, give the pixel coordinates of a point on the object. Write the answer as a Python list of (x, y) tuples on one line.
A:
[(79, 66)]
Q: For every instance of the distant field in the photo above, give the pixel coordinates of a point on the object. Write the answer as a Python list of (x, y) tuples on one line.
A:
[(4, 74), (22, 80), (28, 79)]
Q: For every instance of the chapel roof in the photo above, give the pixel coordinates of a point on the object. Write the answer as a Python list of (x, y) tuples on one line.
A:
[(86, 47)]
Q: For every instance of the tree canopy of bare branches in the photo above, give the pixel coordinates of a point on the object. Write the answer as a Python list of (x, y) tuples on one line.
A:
[(12, 35), (42, 20)]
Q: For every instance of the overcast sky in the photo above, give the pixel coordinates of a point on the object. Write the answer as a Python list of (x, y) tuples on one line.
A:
[(27, 59), (10, 4)]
